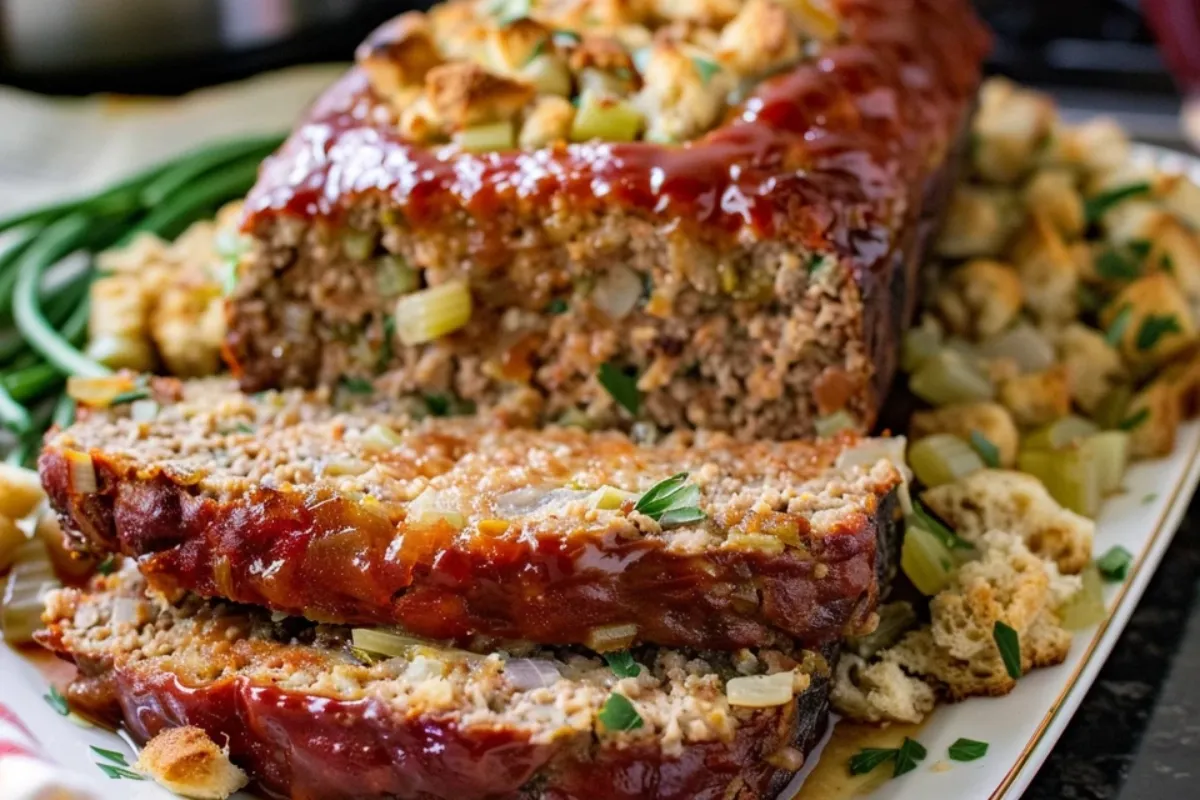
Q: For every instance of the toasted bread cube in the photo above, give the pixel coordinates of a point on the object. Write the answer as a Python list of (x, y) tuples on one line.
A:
[(189, 763), (818, 19), (464, 94), (684, 92), (1037, 398), (512, 45), (1153, 419), (1053, 195), (1154, 318), (1094, 367), (1133, 220), (990, 420), (1048, 271), (1010, 127), (978, 223), (980, 298), (1176, 250), (548, 121), (1183, 200), (762, 38), (879, 692), (398, 55), (1099, 145), (710, 13)]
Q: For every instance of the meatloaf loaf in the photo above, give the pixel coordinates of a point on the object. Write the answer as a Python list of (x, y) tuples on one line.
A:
[(309, 716), (466, 529), (695, 214)]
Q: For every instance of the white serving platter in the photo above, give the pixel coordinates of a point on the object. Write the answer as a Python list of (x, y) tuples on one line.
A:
[(1021, 728)]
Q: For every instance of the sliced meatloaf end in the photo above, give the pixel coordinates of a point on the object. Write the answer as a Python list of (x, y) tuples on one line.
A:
[(306, 715), (739, 237), (466, 529)]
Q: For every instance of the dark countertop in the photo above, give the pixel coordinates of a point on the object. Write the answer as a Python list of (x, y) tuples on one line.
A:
[(1137, 734)]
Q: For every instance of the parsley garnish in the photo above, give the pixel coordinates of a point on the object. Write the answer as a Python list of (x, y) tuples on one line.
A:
[(925, 520), (1114, 265), (705, 68), (243, 427), (1096, 207), (1009, 645), (1114, 564), (357, 385), (437, 404), (118, 773), (672, 502), (1089, 299), (1167, 263), (110, 755), (618, 714), (968, 750), (904, 758), (1150, 498), (621, 385), (815, 262), (538, 49), (557, 306), (133, 395), (622, 664), (107, 566), (1134, 421), (1154, 327), (389, 334), (55, 700), (1140, 247), (986, 449), (1116, 331)]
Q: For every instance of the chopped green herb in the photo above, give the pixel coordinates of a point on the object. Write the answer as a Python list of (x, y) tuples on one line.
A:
[(386, 349), (55, 700), (986, 449), (357, 385), (133, 395), (815, 262), (107, 566), (622, 664), (904, 758), (1167, 263), (1114, 265), (705, 68), (119, 773), (1150, 498), (1090, 300), (929, 522), (568, 37), (622, 386), (243, 427), (1154, 327), (968, 750), (557, 306), (1134, 421), (1140, 247), (1009, 645), (438, 404), (618, 714), (671, 502), (110, 755), (911, 751), (1114, 564), (1116, 331), (624, 73), (1096, 207), (539, 49)]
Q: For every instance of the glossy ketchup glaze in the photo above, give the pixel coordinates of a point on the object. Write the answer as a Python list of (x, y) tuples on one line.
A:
[(833, 153)]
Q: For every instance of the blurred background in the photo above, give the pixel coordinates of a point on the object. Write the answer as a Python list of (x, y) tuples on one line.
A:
[(1094, 55)]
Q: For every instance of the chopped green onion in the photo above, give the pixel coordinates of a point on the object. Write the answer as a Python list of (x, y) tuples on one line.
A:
[(432, 313), (929, 522), (622, 664), (1116, 331), (621, 385), (557, 306), (1153, 328), (1114, 565), (618, 714), (911, 751), (986, 449), (56, 701), (1115, 265), (942, 458), (1096, 207), (107, 566), (357, 385), (1009, 645), (926, 561), (1135, 420), (110, 755), (124, 398), (904, 758), (705, 68), (968, 750), (120, 773)]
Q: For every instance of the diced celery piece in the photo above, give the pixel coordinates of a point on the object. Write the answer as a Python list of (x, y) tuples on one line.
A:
[(1061, 433), (1110, 451), (925, 560), (942, 458), (1072, 476), (1086, 607), (432, 313), (358, 245), (606, 118), (834, 423), (948, 378), (920, 344), (486, 138), (394, 277), (1024, 344)]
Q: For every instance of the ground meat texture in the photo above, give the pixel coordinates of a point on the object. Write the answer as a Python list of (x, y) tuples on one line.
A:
[(469, 529), (776, 252), (307, 717)]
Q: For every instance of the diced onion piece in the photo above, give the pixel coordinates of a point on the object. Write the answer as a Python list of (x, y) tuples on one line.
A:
[(1071, 476), (386, 643), (1024, 344), (1110, 451), (11, 539), (949, 378), (926, 561), (431, 507), (1086, 607), (486, 138), (379, 438), (606, 638), (20, 491), (617, 292), (143, 410), (82, 473), (358, 245), (338, 467), (394, 277), (117, 351), (761, 691), (833, 424), (1059, 434), (531, 673), (609, 498), (943, 458), (871, 451), (895, 619), (606, 118), (920, 344), (432, 313), (23, 601), (99, 392), (124, 611)]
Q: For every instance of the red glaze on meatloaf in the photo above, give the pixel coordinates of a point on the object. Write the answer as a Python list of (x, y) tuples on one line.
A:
[(465, 529)]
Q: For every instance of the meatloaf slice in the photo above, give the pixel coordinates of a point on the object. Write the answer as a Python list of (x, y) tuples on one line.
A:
[(464, 528), (308, 716), (723, 203)]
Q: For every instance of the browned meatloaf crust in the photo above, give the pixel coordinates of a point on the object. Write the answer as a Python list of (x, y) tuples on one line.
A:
[(465, 529), (749, 260), (310, 718)]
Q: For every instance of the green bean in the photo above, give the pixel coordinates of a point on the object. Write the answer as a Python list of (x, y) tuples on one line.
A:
[(179, 177), (59, 240), (62, 303), (13, 414), (8, 272), (19, 455), (169, 219), (31, 383)]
